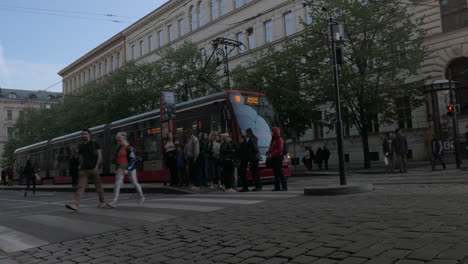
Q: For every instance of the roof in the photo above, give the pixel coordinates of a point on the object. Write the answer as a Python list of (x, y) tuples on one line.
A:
[(16, 94)]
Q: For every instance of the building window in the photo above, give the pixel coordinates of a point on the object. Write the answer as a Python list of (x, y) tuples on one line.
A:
[(112, 63), (318, 125), (170, 33), (150, 43), (100, 69), (250, 38), (118, 59), (223, 7), (240, 38), (94, 72), (181, 27), (201, 14), (50, 97), (133, 52), (288, 24), (160, 38), (237, 3), (105, 66), (89, 75), (214, 9), (9, 114), (193, 18), (84, 77), (142, 48), (308, 15), (9, 132), (454, 14), (268, 31)]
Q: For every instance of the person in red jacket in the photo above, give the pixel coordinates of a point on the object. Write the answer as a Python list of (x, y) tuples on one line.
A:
[(275, 155)]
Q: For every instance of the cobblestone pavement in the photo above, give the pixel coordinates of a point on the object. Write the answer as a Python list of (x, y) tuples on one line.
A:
[(404, 224)]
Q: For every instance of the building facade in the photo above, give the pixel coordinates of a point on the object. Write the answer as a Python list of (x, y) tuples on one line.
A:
[(259, 24), (12, 104)]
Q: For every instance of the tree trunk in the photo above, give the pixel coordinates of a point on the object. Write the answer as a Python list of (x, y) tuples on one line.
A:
[(365, 148)]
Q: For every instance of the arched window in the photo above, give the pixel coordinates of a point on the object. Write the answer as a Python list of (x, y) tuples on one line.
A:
[(12, 96), (214, 9), (193, 18), (50, 97), (201, 13)]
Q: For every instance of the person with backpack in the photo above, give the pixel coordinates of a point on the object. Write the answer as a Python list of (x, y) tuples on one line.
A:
[(437, 152), (125, 161), (275, 155)]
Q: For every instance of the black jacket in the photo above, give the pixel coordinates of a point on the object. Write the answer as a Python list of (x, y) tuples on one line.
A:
[(252, 149)]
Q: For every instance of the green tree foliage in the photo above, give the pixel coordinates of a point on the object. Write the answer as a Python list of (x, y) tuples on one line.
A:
[(131, 90)]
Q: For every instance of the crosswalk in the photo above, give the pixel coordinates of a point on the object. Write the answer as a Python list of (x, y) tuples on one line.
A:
[(50, 222)]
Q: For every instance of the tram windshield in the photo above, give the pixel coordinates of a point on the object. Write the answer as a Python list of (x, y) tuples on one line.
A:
[(257, 113)]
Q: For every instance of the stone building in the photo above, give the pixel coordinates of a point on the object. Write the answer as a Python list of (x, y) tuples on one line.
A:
[(13, 102), (259, 24)]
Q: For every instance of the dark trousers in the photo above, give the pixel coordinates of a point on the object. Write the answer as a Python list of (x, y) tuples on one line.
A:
[(437, 157), (242, 170), (29, 180), (255, 174), (213, 170), (194, 172), (172, 166), (74, 176), (228, 173), (325, 161), (182, 176), (277, 163)]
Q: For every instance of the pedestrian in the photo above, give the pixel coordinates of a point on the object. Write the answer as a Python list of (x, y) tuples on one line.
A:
[(387, 147), (213, 160), (312, 158), (28, 173), (126, 166), (181, 167), (306, 159), (4, 176), (170, 157), (325, 156), (74, 164), (253, 155), (203, 159), (192, 150), (90, 160), (400, 149), (227, 152), (275, 155), (319, 158), (437, 150), (243, 157), (236, 161)]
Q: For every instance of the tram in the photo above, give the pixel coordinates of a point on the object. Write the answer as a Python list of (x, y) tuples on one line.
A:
[(229, 111)]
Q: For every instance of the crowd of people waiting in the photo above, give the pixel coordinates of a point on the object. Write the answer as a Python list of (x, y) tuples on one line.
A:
[(215, 160)]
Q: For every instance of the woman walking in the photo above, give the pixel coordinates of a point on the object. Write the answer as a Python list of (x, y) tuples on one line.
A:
[(275, 155), (126, 160)]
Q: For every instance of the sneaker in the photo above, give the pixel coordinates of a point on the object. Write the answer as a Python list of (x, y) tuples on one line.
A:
[(72, 207), (103, 205), (112, 205), (244, 190), (142, 200), (195, 188), (230, 190)]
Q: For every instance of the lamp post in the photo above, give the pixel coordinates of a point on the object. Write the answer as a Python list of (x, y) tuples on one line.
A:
[(339, 123)]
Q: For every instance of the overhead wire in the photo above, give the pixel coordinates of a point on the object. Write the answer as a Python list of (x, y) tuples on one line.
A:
[(67, 11)]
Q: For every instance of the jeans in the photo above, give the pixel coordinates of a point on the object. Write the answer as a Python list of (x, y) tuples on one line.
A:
[(183, 180), (83, 178), (401, 158), (119, 176), (437, 157), (213, 170), (277, 164), (255, 174), (194, 172), (243, 174)]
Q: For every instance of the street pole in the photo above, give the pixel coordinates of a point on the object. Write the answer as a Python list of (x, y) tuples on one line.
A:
[(454, 124), (339, 124)]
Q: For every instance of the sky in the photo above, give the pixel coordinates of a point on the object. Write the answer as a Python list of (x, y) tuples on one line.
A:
[(38, 38)]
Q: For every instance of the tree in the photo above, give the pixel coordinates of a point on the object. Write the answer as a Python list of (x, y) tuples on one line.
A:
[(382, 55)]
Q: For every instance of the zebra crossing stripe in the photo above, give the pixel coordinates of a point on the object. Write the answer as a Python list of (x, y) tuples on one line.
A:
[(72, 225), (243, 195), (12, 240), (206, 200), (120, 212), (184, 207)]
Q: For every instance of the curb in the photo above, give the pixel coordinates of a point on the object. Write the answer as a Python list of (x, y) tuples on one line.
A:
[(338, 189), (159, 190)]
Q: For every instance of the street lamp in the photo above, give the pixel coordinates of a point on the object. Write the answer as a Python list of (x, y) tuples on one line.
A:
[(333, 36)]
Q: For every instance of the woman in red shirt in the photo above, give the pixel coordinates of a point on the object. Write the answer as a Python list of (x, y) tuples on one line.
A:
[(275, 155), (126, 161)]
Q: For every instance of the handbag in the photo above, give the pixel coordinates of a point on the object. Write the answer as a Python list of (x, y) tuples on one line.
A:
[(385, 159), (36, 175)]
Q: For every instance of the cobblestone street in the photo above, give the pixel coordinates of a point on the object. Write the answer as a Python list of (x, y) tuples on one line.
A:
[(405, 224)]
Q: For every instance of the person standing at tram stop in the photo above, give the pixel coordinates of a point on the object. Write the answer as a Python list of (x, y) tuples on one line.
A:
[(227, 153), (275, 155), (203, 159), (192, 150), (90, 160), (319, 158), (387, 147), (126, 165), (437, 152), (170, 157), (306, 159), (253, 157), (30, 178), (400, 149), (213, 160), (243, 161)]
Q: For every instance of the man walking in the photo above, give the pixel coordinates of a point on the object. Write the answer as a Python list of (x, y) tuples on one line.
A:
[(90, 159), (400, 148), (437, 152)]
